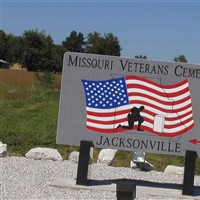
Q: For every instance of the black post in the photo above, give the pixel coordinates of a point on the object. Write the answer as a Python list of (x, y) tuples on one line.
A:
[(83, 163), (189, 172), (126, 190)]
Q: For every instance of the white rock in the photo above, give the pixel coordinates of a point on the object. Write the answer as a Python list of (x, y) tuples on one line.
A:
[(74, 156), (3, 150), (106, 156), (174, 169), (44, 153), (91, 153)]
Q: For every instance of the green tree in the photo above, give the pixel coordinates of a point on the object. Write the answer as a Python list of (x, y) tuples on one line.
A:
[(37, 50), (112, 46), (105, 45), (45, 62), (3, 47), (141, 57), (93, 43), (57, 58), (14, 48), (74, 43), (180, 58)]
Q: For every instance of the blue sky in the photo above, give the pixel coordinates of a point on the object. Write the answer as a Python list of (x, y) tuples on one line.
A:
[(161, 30)]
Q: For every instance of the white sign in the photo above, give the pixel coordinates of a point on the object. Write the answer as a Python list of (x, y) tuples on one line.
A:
[(130, 104)]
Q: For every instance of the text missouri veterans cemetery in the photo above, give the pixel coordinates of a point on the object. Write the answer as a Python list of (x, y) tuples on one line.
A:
[(137, 67)]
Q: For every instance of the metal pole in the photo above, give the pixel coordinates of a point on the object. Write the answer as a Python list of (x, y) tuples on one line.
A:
[(83, 163), (189, 172)]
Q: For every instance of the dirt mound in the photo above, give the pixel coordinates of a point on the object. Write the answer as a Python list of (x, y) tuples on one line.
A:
[(17, 66)]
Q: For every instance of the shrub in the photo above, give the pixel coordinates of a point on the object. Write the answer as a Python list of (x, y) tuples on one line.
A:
[(46, 80)]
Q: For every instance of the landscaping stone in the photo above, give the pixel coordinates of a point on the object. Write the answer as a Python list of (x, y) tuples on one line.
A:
[(91, 153), (3, 150), (74, 156), (44, 153), (174, 169), (106, 156)]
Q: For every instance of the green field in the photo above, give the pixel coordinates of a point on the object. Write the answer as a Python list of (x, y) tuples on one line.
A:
[(29, 110)]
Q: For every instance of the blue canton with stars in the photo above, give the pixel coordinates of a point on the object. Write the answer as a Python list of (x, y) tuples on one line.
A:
[(106, 94)]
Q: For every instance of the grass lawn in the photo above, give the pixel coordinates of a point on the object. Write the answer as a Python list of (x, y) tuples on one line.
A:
[(29, 112)]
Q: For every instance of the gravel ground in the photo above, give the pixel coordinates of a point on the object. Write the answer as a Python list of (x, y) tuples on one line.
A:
[(23, 178)]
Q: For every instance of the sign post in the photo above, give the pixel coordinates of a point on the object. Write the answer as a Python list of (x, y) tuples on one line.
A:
[(84, 157), (188, 182), (130, 104)]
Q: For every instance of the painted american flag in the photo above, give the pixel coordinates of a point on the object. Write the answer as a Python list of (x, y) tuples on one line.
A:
[(108, 103)]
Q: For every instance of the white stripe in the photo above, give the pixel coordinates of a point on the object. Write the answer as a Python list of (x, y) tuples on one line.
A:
[(128, 107), (101, 126), (124, 116), (160, 89), (104, 119), (99, 110), (185, 111), (111, 126), (124, 119), (110, 110), (179, 128), (181, 105), (178, 121), (166, 130), (169, 107), (166, 114), (151, 94), (176, 89)]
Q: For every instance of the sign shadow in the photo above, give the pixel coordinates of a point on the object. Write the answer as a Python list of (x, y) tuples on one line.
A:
[(143, 183)]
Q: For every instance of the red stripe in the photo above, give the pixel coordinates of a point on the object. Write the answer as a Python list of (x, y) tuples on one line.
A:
[(172, 94), (123, 120), (108, 131), (108, 114), (166, 102), (145, 128), (169, 118), (162, 94), (160, 108), (107, 122), (115, 121), (168, 134), (116, 113), (181, 123), (157, 84), (178, 116)]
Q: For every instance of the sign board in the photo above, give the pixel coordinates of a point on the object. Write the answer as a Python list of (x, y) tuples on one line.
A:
[(130, 104)]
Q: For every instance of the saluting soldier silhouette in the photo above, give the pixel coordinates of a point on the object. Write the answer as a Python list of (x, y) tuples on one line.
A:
[(134, 116)]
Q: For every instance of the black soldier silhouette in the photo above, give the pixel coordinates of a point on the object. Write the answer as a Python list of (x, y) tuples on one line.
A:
[(134, 116)]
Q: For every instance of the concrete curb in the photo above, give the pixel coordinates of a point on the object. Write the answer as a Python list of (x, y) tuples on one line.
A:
[(109, 186)]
